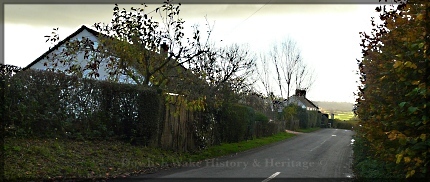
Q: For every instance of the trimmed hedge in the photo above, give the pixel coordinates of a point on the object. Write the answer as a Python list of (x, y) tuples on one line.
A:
[(367, 167), (47, 104), (263, 127), (306, 119), (343, 124), (44, 104), (237, 123)]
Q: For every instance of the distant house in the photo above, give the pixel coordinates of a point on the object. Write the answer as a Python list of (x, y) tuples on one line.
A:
[(299, 98)]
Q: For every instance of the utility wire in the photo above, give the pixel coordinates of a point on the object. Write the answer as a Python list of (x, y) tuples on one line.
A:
[(249, 17)]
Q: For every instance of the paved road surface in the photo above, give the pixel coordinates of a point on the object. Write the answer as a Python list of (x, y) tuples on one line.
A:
[(326, 153)]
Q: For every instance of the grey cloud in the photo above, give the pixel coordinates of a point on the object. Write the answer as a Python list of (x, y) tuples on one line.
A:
[(75, 15), (56, 15)]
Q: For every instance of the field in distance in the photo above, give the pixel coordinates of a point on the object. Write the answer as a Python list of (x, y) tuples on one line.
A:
[(342, 110), (342, 115)]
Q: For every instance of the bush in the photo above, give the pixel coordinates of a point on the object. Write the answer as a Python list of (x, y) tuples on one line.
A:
[(262, 125), (45, 104), (303, 117), (314, 119), (290, 115), (343, 124), (365, 166), (298, 117), (236, 123)]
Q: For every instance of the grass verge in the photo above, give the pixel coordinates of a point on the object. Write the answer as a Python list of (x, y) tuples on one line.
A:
[(32, 159), (308, 130), (230, 148)]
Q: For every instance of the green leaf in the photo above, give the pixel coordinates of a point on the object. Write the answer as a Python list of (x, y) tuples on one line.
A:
[(412, 109), (424, 119), (418, 123), (402, 141), (402, 104), (399, 158)]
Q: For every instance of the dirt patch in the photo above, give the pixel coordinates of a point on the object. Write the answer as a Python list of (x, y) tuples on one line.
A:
[(293, 132)]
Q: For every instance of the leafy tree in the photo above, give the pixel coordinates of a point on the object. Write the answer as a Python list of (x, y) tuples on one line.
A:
[(158, 53), (137, 46), (393, 100)]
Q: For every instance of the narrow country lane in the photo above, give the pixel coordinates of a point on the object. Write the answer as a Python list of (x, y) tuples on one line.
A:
[(326, 153)]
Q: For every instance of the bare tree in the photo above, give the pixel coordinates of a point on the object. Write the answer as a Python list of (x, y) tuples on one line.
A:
[(265, 77), (304, 76), (287, 59), (225, 68), (290, 57), (277, 61)]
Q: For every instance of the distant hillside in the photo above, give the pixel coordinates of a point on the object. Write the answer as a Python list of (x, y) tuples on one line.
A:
[(334, 106)]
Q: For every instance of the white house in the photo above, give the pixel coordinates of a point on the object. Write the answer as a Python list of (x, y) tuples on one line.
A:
[(300, 99), (45, 61)]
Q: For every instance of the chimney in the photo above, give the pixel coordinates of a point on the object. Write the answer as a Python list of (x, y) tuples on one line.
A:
[(300, 92), (164, 47)]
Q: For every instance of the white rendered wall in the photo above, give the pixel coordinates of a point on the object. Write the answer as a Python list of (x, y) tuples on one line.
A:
[(103, 72)]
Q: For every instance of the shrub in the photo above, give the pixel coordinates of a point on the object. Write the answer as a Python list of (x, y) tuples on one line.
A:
[(298, 117), (47, 105), (236, 123), (343, 124), (365, 166), (262, 125)]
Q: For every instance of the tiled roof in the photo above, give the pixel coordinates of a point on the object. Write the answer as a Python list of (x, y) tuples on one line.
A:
[(304, 100)]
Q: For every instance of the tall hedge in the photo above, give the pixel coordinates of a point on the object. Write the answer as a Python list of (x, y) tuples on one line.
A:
[(261, 127), (393, 99), (393, 102), (306, 119), (46, 104), (236, 123)]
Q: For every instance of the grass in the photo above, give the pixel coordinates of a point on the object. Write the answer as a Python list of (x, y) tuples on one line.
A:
[(59, 159), (229, 148), (344, 116), (347, 124), (308, 130)]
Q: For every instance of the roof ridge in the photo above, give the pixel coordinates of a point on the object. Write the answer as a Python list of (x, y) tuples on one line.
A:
[(83, 27), (305, 100), (79, 30)]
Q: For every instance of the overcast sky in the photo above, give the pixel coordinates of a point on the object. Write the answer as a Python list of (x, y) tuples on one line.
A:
[(328, 35)]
